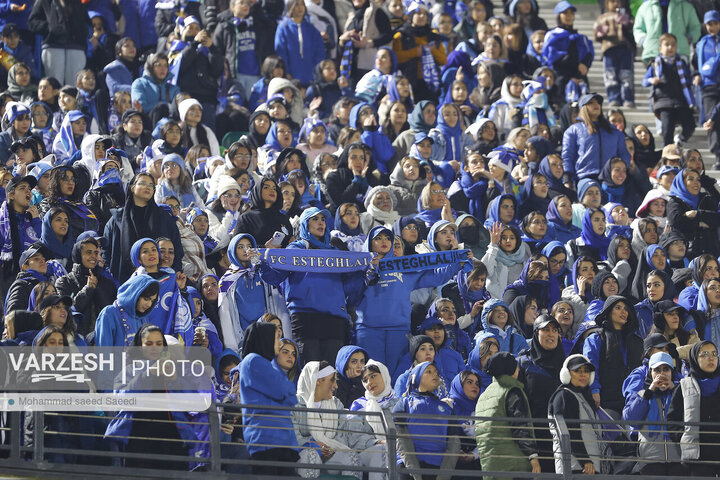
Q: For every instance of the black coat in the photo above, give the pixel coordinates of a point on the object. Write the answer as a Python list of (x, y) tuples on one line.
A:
[(225, 37), (102, 200), (199, 73), (700, 240), (18, 296), (87, 300), (60, 27)]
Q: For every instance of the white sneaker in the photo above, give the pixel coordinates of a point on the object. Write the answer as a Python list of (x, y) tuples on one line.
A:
[(677, 140)]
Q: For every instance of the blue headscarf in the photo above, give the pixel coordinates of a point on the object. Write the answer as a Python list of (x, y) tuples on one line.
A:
[(453, 135), (394, 95), (135, 250), (544, 168), (437, 226), (592, 239), (374, 232), (231, 253), (304, 231), (417, 120), (537, 289), (469, 297), (650, 251), (59, 248), (342, 227), (556, 279), (553, 216), (678, 189), (529, 200), (493, 213), (271, 137), (623, 230), (209, 242), (614, 192), (462, 405)]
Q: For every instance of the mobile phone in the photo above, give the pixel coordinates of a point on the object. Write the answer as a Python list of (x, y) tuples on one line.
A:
[(277, 239)]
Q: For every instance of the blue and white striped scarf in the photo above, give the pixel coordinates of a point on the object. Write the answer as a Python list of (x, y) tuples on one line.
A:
[(680, 66)]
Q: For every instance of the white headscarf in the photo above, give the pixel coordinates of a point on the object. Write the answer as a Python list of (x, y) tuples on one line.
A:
[(374, 401), (386, 218), (323, 426)]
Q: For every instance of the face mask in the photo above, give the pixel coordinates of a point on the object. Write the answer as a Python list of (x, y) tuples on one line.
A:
[(469, 235), (109, 176)]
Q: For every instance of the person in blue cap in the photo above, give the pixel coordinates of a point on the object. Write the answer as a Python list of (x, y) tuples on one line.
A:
[(568, 52), (582, 154)]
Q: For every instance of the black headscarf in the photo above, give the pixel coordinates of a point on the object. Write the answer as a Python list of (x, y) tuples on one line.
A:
[(550, 360), (402, 222), (612, 252), (646, 157), (597, 284), (263, 222), (502, 363), (260, 339), (695, 370), (256, 139), (517, 309)]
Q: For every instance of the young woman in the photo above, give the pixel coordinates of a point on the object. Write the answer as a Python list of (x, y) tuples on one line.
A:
[(56, 235), (505, 258), (589, 196), (695, 401), (688, 214), (658, 286), (141, 217), (573, 399), (559, 215), (671, 320), (117, 323), (536, 231), (64, 191), (340, 443), (616, 349), (193, 131), (592, 241), (379, 395), (407, 180), (263, 382), (645, 233), (175, 181), (705, 267), (497, 322)]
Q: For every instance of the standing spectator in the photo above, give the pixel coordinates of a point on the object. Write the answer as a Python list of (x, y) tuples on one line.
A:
[(582, 153), (614, 29), (420, 51), (668, 77), (246, 39), (139, 18), (199, 65), (367, 29), (707, 52), (299, 43), (63, 26)]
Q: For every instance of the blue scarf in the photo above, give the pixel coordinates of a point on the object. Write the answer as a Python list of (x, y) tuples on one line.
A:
[(108, 177), (422, 262), (708, 386), (59, 248), (462, 405), (592, 239), (304, 232), (80, 210), (469, 297), (344, 228), (680, 66), (316, 260), (453, 135), (475, 192), (678, 189), (574, 275), (429, 70), (556, 279)]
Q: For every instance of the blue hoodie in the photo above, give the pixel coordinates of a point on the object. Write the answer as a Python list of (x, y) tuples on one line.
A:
[(392, 291), (427, 435), (263, 382), (493, 213), (110, 329), (222, 388), (300, 61), (249, 290), (382, 149), (476, 366), (314, 292), (509, 339), (449, 361)]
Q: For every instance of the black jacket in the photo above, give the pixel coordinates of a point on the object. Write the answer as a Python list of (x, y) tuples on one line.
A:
[(700, 240), (225, 37), (199, 73), (102, 200), (65, 28), (87, 300), (18, 296)]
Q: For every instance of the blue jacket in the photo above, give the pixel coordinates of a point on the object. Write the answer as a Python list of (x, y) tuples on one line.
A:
[(644, 311), (688, 298), (635, 381), (510, 340), (379, 143), (558, 40), (110, 330), (427, 435), (263, 382), (707, 58), (18, 18), (118, 77), (299, 64), (392, 292), (584, 155), (149, 93), (249, 290), (314, 292), (476, 366), (140, 22)]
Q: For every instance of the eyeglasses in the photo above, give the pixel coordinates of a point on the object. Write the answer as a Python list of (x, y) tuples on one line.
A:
[(231, 195), (174, 208), (411, 226), (708, 354), (145, 184), (65, 178), (242, 157), (170, 165), (556, 263), (437, 192)]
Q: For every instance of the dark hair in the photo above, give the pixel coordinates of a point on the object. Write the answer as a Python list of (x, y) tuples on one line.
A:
[(296, 201), (270, 63), (187, 142), (478, 270), (54, 82), (168, 125), (345, 135), (40, 290), (615, 110), (54, 191), (150, 290), (602, 122), (143, 332)]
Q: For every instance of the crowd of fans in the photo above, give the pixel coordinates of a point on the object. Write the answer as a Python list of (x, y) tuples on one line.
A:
[(151, 150)]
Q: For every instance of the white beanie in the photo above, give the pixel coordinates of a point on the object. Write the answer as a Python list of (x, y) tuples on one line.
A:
[(185, 106), (227, 183)]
